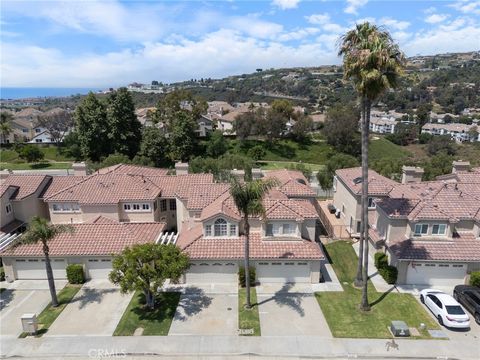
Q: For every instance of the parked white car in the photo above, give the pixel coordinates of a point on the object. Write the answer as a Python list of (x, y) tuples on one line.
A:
[(445, 308)]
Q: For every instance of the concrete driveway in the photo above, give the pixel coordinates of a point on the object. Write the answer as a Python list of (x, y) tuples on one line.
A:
[(95, 310), (203, 313), (288, 313), (22, 297)]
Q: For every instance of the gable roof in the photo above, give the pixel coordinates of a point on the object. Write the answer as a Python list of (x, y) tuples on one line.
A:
[(292, 183), (59, 183), (377, 184), (27, 184), (102, 237), (130, 169), (297, 210)]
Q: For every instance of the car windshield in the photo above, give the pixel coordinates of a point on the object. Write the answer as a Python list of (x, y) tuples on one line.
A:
[(455, 310)]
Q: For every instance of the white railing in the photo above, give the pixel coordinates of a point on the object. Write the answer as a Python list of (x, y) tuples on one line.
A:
[(7, 239), (167, 238)]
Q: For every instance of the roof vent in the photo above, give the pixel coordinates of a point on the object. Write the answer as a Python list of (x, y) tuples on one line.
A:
[(357, 180)]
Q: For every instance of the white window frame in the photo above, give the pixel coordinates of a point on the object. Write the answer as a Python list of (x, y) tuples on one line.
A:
[(208, 230), (439, 226), (65, 207), (267, 232), (220, 227), (420, 233), (163, 205), (173, 204), (233, 230), (137, 207), (371, 203)]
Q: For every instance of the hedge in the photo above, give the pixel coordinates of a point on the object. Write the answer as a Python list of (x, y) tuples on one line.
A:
[(389, 273), (2, 274), (381, 260), (475, 278), (75, 274), (241, 276)]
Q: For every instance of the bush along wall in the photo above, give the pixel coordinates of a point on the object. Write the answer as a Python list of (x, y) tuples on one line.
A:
[(475, 278), (241, 276), (75, 274), (388, 272)]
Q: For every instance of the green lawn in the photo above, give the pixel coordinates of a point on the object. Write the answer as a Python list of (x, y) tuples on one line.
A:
[(248, 318), (275, 165), (153, 322), (49, 314), (341, 308), (50, 153), (381, 148), (35, 166)]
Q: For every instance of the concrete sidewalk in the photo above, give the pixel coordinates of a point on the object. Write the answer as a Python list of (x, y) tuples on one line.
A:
[(377, 280), (230, 346)]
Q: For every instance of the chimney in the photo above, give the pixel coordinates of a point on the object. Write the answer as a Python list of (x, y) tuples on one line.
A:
[(79, 169), (257, 173), (4, 174), (181, 168), (411, 174), (460, 166)]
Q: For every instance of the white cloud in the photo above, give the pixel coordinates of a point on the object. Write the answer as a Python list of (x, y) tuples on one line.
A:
[(211, 56), (285, 4), (430, 10), (467, 6), (255, 27), (298, 34), (436, 18), (333, 28), (318, 19), (354, 5), (394, 24)]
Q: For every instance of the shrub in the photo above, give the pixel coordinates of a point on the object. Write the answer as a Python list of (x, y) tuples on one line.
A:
[(75, 274), (381, 260), (389, 273), (2, 274), (475, 278), (257, 152), (241, 276), (30, 153)]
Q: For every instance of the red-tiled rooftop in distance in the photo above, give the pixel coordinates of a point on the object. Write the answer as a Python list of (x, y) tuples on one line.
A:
[(377, 184), (104, 237), (59, 183), (28, 184), (292, 183), (133, 170), (233, 248), (464, 247)]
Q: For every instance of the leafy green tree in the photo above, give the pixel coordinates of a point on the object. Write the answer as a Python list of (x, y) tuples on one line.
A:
[(30, 153), (57, 122), (154, 146), (216, 145), (248, 198), (145, 267), (404, 134), (5, 125), (71, 146), (439, 164), (92, 128), (341, 129), (337, 161), (244, 124), (373, 61), (423, 115), (125, 129), (257, 152), (441, 143), (182, 137), (302, 127), (40, 231), (283, 107)]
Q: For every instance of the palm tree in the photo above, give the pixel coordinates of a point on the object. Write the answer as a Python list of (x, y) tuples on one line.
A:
[(373, 61), (39, 230), (248, 197), (5, 125)]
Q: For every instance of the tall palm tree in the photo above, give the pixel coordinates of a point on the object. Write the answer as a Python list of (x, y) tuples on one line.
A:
[(248, 197), (373, 61), (39, 230), (5, 125)]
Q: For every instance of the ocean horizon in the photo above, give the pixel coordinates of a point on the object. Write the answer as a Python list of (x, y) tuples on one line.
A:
[(14, 93)]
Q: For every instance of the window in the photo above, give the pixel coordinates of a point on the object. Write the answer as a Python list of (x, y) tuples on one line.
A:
[(37, 130), (208, 230), (163, 205), (146, 206), (233, 230), (371, 204), (8, 208), (421, 229), (269, 230), (439, 229), (125, 207), (136, 207), (334, 183), (56, 207), (173, 204), (66, 207), (220, 227), (286, 228)]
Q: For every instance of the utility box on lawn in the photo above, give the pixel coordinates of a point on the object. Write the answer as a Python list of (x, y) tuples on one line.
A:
[(29, 323), (399, 328)]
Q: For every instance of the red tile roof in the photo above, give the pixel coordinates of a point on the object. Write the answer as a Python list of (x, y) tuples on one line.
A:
[(377, 184), (28, 184), (134, 170), (233, 248), (465, 247), (180, 185), (292, 183), (109, 188), (59, 183), (99, 238), (290, 209), (5, 187)]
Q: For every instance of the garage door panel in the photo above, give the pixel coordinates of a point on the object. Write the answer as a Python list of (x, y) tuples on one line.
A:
[(218, 272), (283, 272), (99, 268), (34, 269), (440, 274)]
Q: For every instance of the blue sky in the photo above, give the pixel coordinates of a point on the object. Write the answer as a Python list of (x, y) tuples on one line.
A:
[(111, 43)]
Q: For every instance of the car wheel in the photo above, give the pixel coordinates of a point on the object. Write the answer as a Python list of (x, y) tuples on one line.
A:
[(477, 318), (422, 300), (440, 320)]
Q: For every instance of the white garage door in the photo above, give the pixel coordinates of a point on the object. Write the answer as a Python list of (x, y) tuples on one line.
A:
[(419, 273), (283, 272), (213, 272), (35, 268), (99, 268)]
